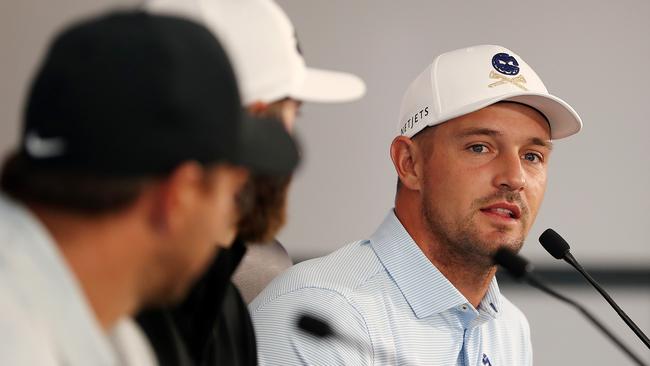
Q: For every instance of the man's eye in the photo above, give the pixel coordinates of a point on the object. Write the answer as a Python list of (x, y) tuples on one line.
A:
[(478, 148), (533, 157)]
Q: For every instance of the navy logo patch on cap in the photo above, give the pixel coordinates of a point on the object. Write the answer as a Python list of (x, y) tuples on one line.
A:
[(505, 64)]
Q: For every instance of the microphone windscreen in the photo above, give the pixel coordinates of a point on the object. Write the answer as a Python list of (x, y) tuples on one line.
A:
[(314, 326), (554, 244), (516, 265)]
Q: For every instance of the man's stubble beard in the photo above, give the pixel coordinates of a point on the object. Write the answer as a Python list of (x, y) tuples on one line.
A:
[(460, 242)]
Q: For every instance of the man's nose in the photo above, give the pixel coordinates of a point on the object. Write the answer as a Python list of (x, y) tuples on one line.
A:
[(510, 174)]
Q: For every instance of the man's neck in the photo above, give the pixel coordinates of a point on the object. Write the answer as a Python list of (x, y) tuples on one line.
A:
[(93, 249), (471, 279)]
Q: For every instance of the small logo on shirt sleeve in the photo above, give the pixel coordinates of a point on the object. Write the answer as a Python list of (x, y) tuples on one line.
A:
[(486, 360)]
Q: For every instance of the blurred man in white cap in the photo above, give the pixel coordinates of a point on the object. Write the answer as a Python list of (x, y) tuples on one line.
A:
[(274, 81), (471, 154), (273, 78)]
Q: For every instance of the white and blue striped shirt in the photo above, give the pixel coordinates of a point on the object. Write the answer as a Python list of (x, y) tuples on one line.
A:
[(391, 306)]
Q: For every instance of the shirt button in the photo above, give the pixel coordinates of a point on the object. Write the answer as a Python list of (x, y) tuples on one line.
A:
[(463, 308)]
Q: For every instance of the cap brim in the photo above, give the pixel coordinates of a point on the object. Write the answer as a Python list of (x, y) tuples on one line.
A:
[(325, 86), (562, 118), (267, 148)]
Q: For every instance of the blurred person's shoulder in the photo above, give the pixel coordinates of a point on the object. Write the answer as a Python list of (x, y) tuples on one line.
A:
[(14, 223), (130, 343), (23, 341)]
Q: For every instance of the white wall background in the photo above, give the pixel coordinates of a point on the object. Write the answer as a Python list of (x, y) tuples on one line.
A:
[(562, 336), (595, 55)]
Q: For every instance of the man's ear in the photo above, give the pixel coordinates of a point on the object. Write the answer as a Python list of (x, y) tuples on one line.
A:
[(176, 196), (407, 159)]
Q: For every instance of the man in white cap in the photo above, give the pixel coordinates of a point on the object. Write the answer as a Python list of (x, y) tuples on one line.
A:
[(471, 155), (274, 81)]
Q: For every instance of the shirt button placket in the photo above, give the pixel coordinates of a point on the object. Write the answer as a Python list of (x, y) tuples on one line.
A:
[(466, 347)]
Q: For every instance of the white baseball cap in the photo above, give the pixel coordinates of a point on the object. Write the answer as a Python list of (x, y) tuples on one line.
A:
[(466, 80), (261, 43)]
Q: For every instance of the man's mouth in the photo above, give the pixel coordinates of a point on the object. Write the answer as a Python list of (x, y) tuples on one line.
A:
[(503, 209)]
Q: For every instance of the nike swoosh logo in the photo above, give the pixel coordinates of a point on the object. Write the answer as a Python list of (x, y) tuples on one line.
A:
[(38, 147)]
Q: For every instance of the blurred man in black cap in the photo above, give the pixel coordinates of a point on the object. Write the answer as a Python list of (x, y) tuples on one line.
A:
[(133, 151)]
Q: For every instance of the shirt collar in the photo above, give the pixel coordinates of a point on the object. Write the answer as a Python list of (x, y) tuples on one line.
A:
[(426, 290), (491, 302)]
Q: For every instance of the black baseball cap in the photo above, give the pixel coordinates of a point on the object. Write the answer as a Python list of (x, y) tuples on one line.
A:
[(130, 93)]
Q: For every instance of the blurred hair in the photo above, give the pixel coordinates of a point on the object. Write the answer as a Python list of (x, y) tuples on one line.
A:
[(263, 200), (263, 204)]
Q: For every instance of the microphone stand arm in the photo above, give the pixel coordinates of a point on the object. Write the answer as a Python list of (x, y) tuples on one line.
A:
[(573, 262), (537, 284)]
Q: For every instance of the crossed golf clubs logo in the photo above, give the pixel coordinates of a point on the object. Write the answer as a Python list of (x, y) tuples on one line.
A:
[(516, 81), (507, 66)]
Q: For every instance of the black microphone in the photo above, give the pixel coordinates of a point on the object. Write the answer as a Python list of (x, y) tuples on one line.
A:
[(315, 326), (521, 269), (321, 329), (560, 249)]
